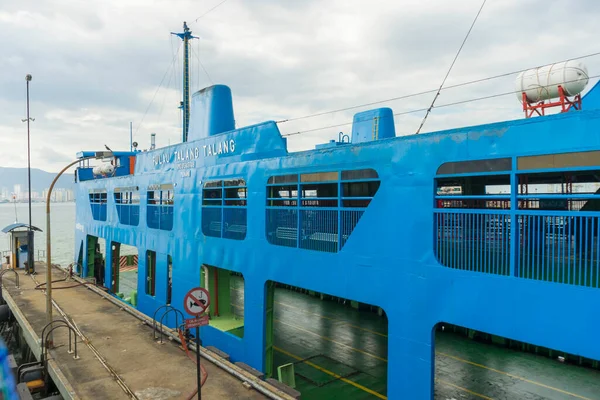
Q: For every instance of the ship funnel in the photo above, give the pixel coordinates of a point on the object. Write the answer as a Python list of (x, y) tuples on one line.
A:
[(373, 125), (152, 141), (211, 112)]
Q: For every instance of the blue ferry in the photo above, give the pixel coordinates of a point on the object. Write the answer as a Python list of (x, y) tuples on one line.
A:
[(444, 230)]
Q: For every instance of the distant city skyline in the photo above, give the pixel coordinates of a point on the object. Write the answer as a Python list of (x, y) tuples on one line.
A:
[(59, 195)]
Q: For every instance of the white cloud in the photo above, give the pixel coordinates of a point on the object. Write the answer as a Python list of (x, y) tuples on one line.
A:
[(96, 65)]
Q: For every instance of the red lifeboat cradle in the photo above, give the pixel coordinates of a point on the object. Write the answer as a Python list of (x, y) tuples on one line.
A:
[(540, 107)]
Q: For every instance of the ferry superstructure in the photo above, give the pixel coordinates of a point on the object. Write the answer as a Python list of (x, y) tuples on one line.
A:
[(371, 219)]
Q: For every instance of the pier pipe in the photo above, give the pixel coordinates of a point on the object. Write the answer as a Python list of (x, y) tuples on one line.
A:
[(97, 155)]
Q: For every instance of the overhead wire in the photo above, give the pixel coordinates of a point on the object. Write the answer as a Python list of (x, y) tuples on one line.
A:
[(209, 10), (450, 69), (156, 91), (423, 109), (416, 94), (203, 68)]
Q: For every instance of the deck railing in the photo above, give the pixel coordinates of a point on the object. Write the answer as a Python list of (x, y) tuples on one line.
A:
[(559, 248), (474, 241), (553, 246)]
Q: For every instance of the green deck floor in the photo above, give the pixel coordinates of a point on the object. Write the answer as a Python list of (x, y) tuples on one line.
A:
[(339, 341)]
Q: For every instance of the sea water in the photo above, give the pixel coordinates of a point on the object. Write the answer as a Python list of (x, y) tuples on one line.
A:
[(62, 218)]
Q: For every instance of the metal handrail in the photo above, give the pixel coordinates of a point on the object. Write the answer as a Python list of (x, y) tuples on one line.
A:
[(45, 336), (177, 313), (170, 308), (154, 319), (23, 366), (14, 272), (70, 351)]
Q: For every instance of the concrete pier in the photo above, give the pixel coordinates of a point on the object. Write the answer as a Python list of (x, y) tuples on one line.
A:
[(117, 355)]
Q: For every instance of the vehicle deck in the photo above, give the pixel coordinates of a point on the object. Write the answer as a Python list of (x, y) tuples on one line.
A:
[(144, 367), (333, 338)]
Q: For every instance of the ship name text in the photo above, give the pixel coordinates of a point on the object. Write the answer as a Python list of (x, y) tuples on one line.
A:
[(186, 155)]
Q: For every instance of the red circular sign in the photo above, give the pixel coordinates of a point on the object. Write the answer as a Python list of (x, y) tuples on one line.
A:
[(196, 301)]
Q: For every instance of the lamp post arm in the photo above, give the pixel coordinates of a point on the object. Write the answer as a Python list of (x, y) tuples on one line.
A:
[(49, 242)]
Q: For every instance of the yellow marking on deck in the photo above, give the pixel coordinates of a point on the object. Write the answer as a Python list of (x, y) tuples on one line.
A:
[(445, 355), (348, 381), (463, 389), (437, 352), (332, 341), (367, 330), (513, 376)]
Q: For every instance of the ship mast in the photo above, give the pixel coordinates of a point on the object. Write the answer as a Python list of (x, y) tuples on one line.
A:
[(186, 35)]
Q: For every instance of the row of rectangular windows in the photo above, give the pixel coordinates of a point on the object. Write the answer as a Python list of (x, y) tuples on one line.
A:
[(224, 203)]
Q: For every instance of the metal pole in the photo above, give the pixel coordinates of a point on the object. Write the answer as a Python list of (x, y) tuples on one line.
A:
[(49, 247), (198, 373), (130, 136), (30, 259)]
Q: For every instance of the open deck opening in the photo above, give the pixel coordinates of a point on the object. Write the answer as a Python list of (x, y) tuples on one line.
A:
[(226, 290), (336, 348), (124, 272), (96, 259), (475, 364)]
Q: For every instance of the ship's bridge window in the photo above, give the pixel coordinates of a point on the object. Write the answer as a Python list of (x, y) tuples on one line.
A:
[(317, 211), (98, 199), (224, 213), (127, 200), (159, 212)]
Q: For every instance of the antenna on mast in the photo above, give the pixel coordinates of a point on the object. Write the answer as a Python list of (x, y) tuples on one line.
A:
[(186, 35)]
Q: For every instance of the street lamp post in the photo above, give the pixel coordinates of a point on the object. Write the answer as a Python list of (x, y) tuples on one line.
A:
[(30, 258), (97, 155)]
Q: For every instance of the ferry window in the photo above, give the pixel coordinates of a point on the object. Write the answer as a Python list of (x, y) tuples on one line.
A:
[(150, 273), (472, 221), (475, 166), (159, 210), (224, 213), (320, 205), (474, 192), (561, 160), (559, 225), (127, 202), (98, 199), (558, 190)]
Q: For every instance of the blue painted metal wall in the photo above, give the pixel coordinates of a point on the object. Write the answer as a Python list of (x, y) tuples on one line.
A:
[(389, 260)]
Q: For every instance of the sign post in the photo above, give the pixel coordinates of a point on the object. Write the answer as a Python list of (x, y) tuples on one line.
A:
[(195, 302)]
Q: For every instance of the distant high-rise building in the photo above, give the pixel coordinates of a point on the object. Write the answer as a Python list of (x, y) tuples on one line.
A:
[(17, 191)]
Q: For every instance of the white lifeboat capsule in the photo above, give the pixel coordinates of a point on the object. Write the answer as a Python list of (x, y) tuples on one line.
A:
[(542, 83), (108, 169)]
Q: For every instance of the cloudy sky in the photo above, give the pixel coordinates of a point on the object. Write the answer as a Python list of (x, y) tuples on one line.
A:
[(97, 65)]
